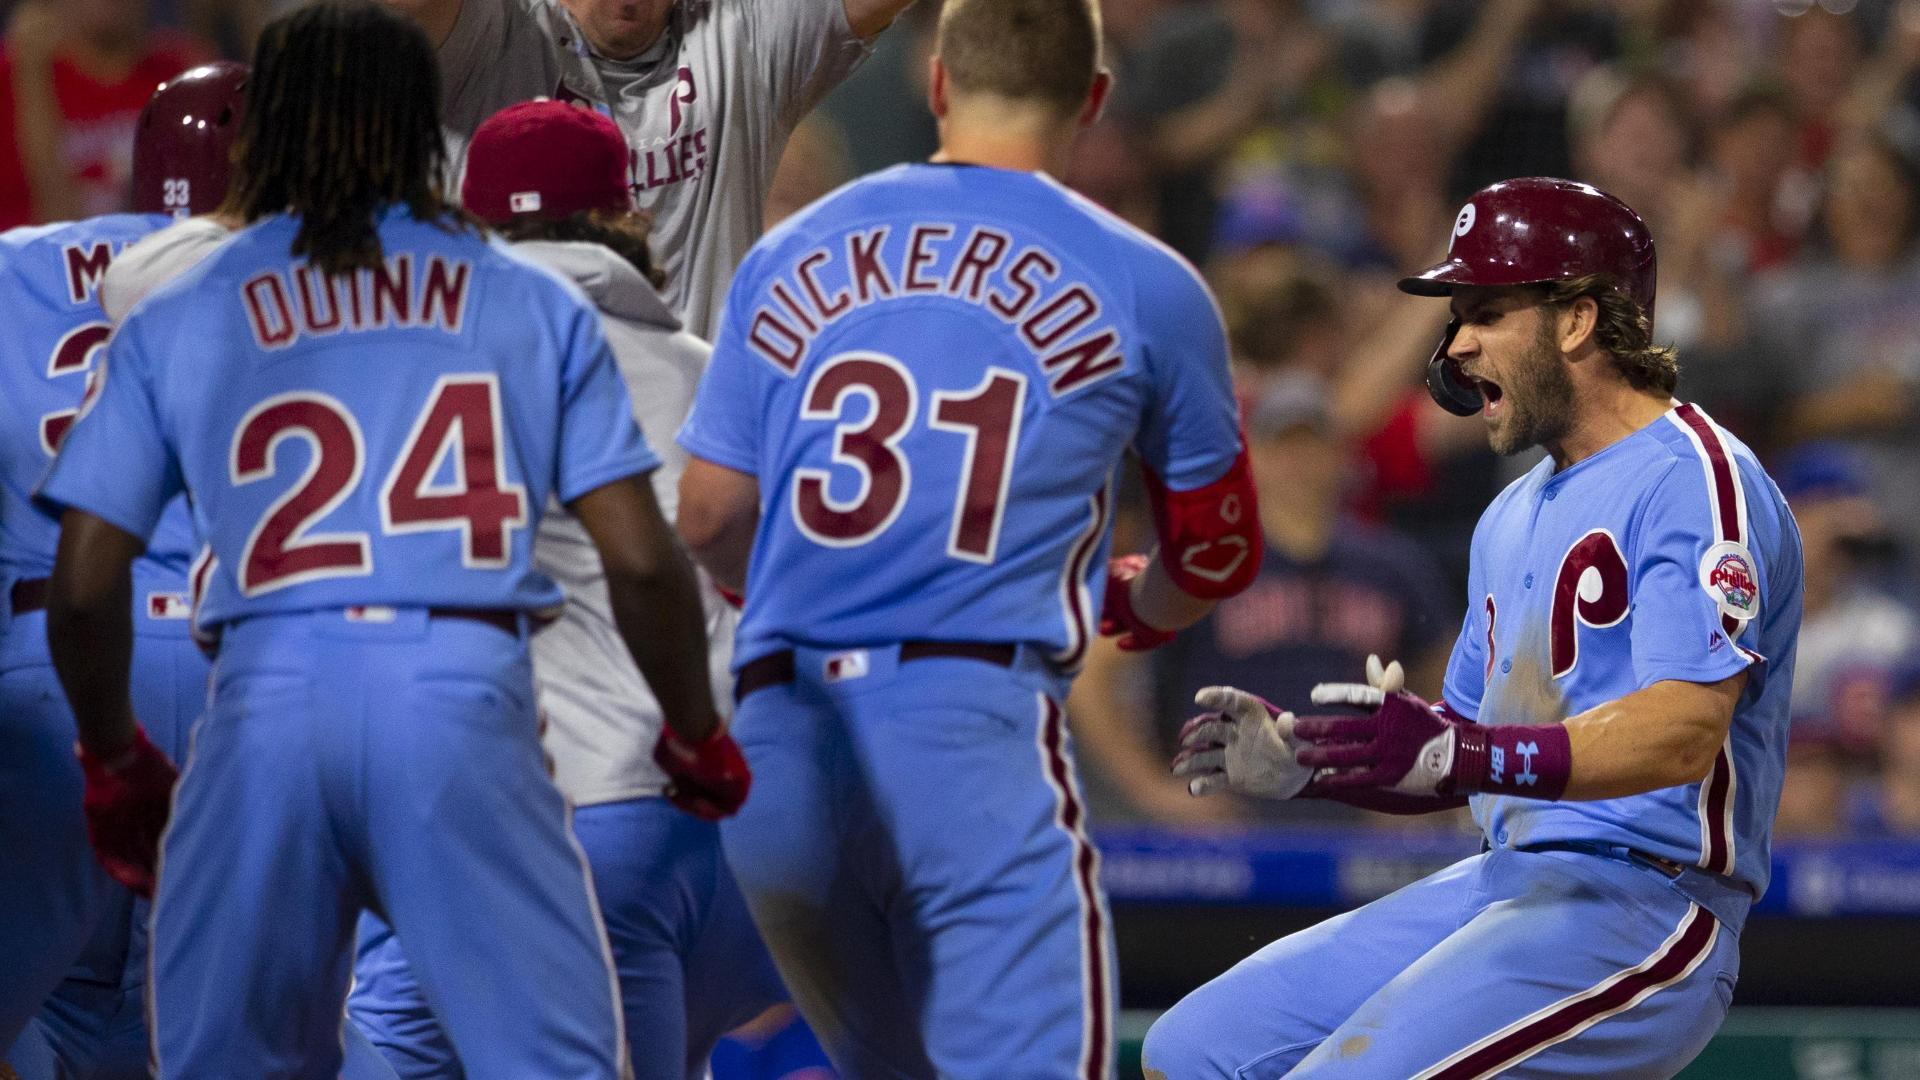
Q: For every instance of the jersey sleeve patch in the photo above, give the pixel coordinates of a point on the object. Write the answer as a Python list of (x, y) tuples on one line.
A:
[(1727, 573)]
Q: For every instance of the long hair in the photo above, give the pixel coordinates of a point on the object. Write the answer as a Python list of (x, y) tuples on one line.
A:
[(624, 232), (1623, 331), (342, 123)]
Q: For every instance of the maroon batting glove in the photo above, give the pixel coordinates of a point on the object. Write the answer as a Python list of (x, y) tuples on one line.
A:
[(1117, 617), (708, 779), (126, 803), (1407, 746)]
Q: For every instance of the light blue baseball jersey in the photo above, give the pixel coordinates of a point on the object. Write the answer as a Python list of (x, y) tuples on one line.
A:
[(932, 373), (49, 282), (384, 438), (1669, 555)]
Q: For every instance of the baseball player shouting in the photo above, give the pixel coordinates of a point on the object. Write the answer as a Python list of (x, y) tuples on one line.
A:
[(690, 964), (706, 92), (927, 380), (370, 406), (1615, 710), (60, 902)]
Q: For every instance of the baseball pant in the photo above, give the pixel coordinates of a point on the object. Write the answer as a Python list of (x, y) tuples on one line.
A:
[(1526, 964), (71, 990), (915, 856), (387, 763), (690, 964)]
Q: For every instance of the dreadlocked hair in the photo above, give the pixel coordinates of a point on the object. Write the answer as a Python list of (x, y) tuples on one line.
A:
[(342, 122)]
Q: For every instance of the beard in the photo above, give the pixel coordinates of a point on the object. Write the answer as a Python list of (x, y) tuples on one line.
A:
[(1538, 394)]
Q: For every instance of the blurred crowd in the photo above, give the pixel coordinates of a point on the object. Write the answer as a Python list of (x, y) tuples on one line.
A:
[(1304, 153)]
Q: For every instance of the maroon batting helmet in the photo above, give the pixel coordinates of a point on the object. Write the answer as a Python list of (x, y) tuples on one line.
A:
[(1526, 232), (182, 150)]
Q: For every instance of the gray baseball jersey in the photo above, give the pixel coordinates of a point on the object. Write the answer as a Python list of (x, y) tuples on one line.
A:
[(706, 111), (602, 721)]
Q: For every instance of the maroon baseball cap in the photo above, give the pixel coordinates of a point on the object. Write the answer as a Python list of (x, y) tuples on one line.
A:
[(545, 159)]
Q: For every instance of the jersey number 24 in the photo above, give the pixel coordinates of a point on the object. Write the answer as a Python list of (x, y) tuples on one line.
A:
[(461, 422)]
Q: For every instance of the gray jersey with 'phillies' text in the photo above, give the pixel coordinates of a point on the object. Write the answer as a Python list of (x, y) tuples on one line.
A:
[(706, 111), (602, 721)]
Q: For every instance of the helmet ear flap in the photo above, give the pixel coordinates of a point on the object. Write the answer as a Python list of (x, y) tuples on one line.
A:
[(1451, 390)]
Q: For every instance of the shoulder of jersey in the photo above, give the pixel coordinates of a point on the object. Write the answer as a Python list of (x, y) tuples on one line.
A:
[(31, 256)]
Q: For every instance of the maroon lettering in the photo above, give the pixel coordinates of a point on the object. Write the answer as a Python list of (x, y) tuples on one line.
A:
[(393, 291), (1026, 289), (85, 267), (268, 310), (776, 342), (828, 309), (869, 274), (1086, 361), (919, 258), (306, 282), (445, 299), (782, 294), (1590, 589), (985, 248), (1068, 313)]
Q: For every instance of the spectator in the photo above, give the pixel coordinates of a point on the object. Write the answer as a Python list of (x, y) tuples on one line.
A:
[(1842, 326), (1855, 631), (1890, 806), (1330, 591), (73, 80)]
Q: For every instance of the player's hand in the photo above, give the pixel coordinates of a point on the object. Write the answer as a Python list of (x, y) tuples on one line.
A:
[(708, 779), (1117, 617), (126, 803), (1401, 745), (1243, 743)]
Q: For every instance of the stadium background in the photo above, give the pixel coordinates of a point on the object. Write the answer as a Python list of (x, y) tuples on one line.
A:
[(1301, 152)]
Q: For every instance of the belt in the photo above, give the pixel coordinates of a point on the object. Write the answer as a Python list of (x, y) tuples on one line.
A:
[(1663, 865), (29, 595), (503, 619), (776, 668)]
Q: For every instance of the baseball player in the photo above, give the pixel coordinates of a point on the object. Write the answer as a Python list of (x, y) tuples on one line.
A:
[(369, 405), (927, 381), (706, 92), (691, 966), (1615, 710), (66, 922)]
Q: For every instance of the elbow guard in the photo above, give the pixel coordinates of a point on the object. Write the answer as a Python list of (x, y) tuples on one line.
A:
[(1209, 537)]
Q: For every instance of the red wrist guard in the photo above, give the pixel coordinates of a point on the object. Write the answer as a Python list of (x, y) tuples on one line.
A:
[(1533, 761), (1209, 537)]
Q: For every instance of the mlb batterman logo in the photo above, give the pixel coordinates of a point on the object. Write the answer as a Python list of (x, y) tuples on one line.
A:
[(1727, 573)]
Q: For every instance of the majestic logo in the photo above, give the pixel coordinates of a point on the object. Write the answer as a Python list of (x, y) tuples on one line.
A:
[(1727, 573)]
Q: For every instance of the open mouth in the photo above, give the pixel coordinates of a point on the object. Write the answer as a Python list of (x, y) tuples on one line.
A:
[(1490, 392)]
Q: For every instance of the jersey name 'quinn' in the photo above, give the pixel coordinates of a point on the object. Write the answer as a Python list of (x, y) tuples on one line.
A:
[(283, 305), (1022, 288)]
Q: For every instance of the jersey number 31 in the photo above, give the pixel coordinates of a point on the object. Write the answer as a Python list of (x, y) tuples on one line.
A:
[(987, 416), (461, 422)]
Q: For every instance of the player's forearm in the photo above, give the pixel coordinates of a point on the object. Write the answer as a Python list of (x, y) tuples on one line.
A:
[(660, 619), (90, 637), (1164, 604), (1664, 736), (869, 17)]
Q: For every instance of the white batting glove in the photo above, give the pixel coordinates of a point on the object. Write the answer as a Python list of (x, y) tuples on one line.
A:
[(1382, 679), (1241, 743)]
